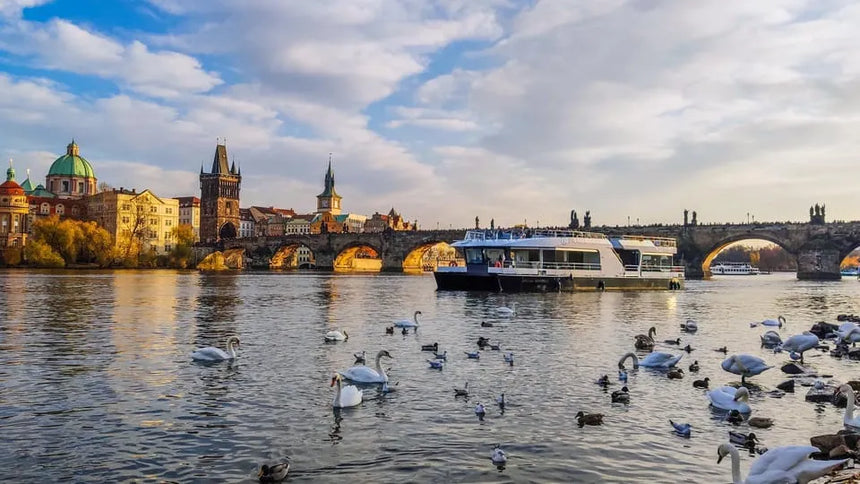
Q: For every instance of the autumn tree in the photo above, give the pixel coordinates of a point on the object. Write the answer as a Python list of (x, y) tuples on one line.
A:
[(63, 237), (40, 254), (183, 237), (97, 245), (72, 241)]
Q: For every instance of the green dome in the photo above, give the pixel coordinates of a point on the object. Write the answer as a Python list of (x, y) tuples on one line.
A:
[(72, 164)]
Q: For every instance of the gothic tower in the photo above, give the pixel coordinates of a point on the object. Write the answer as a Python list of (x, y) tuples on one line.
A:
[(329, 200), (219, 199)]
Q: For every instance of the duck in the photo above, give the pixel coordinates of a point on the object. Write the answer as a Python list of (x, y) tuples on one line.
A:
[(722, 350), (211, 354), (405, 323), (360, 358), (741, 439), (688, 349), (621, 396), (849, 420), (365, 374), (622, 376), (485, 324), (799, 343), (653, 360), (404, 331), (676, 341), (702, 383), (694, 367), (507, 311), (345, 396), (480, 411), (483, 342), (462, 392), (336, 336), (495, 347), (675, 373), (770, 339), (730, 398), (436, 364), (389, 330), (509, 358), (744, 365), (681, 429), (603, 381), (645, 342), (689, 326), (434, 347), (273, 473), (760, 422), (589, 418), (499, 458), (443, 356), (778, 322), (734, 417), (473, 356), (781, 464)]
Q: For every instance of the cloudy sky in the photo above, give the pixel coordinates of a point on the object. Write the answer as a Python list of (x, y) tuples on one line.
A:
[(448, 109)]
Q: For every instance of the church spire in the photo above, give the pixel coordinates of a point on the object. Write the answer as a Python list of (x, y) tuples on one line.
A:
[(10, 173)]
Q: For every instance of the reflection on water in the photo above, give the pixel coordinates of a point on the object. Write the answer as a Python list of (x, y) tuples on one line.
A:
[(98, 384)]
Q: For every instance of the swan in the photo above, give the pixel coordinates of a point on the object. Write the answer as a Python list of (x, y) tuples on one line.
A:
[(210, 353), (348, 396), (507, 311), (274, 473), (689, 326), (849, 420), (730, 398), (499, 458), (770, 339), (365, 374), (848, 333), (336, 336), (800, 343), (744, 365), (405, 323), (645, 342), (779, 321), (781, 464), (653, 360)]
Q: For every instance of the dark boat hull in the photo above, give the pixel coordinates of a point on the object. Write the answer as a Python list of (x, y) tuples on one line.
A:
[(464, 281)]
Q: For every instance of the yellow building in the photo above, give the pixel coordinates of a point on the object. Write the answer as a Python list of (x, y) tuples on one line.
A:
[(138, 222), (14, 209)]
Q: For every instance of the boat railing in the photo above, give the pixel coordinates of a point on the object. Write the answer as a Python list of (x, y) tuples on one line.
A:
[(528, 234), (576, 266), (657, 241)]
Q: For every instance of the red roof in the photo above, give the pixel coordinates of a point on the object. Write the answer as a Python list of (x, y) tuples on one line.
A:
[(9, 187)]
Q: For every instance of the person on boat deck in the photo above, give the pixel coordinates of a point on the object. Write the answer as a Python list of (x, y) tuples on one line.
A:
[(501, 260)]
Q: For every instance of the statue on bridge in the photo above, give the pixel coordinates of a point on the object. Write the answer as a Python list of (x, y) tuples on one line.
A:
[(574, 220), (694, 222), (477, 222), (492, 224), (587, 219), (685, 217), (816, 214)]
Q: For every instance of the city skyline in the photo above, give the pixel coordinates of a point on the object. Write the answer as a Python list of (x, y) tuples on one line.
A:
[(449, 109)]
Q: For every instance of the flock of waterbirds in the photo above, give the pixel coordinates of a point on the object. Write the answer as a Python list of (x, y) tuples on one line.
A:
[(797, 463), (346, 396)]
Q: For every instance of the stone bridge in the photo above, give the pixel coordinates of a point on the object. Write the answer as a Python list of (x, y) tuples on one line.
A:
[(818, 248)]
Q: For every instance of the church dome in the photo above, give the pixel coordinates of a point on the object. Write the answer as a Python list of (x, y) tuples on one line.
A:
[(72, 164)]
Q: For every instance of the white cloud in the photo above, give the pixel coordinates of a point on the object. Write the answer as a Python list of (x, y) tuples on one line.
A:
[(13, 8)]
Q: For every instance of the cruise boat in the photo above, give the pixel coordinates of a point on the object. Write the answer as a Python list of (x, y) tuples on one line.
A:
[(734, 269), (560, 260)]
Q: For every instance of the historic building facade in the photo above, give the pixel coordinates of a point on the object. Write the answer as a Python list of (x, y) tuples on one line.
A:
[(71, 175), (219, 199), (14, 210), (189, 214), (138, 221), (329, 201)]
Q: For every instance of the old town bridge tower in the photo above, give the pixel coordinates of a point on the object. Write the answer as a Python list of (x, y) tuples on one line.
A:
[(219, 199)]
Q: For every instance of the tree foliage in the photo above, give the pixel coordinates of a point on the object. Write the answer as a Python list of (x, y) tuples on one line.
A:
[(40, 254), (183, 237), (73, 241)]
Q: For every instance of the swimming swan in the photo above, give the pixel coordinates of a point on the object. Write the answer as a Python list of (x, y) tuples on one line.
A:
[(645, 342), (348, 396), (744, 365), (770, 339), (849, 420), (730, 398), (405, 323), (210, 353), (782, 464), (779, 321), (507, 311), (690, 326), (336, 336), (653, 360), (365, 374)]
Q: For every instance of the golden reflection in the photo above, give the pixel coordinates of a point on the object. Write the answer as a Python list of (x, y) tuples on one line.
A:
[(361, 258)]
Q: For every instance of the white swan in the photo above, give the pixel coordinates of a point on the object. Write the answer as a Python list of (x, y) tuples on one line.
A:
[(770, 339), (690, 326), (365, 374), (849, 420), (653, 360), (336, 336), (730, 398), (507, 311), (787, 464), (779, 321), (405, 323), (744, 365), (211, 353), (346, 396), (848, 333), (800, 343)]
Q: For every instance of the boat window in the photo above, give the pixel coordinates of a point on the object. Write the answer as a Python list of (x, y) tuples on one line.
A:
[(494, 254), (629, 257), (474, 256), (656, 260)]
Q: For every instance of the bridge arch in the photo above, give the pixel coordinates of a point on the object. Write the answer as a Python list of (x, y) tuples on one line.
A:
[(293, 255), (426, 254), (358, 257), (714, 250)]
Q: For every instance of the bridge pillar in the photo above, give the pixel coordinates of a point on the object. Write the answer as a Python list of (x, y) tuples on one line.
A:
[(819, 264), (324, 260)]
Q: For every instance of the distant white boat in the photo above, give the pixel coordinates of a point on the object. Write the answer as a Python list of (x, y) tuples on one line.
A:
[(734, 269), (850, 271)]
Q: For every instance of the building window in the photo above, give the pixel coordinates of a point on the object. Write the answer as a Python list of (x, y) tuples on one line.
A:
[(44, 209), (60, 209), (168, 210), (168, 222), (167, 236), (126, 207), (153, 221), (167, 247), (125, 219), (65, 186), (153, 209), (80, 187), (75, 210)]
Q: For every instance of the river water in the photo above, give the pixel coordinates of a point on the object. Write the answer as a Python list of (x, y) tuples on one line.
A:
[(97, 383)]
